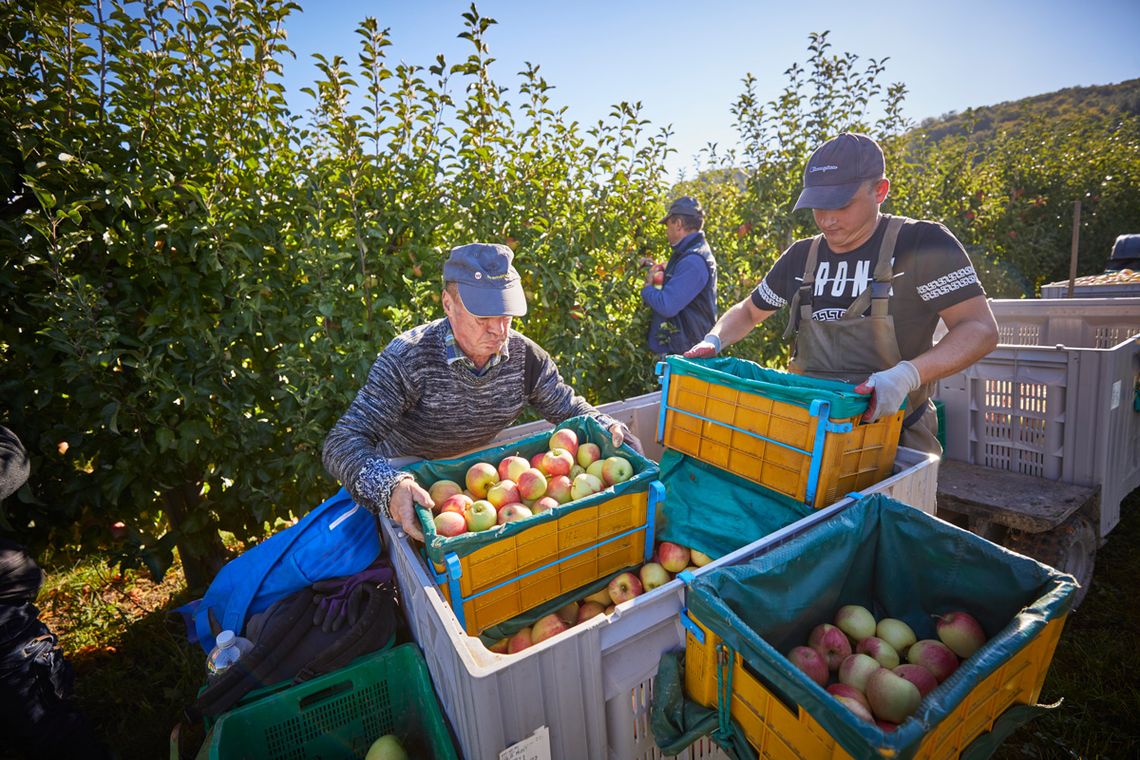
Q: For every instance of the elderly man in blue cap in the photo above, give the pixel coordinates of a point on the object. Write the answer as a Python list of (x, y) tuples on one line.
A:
[(450, 386), (683, 305), (866, 294)]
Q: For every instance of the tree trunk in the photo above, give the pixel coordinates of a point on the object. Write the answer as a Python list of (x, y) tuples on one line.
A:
[(201, 551)]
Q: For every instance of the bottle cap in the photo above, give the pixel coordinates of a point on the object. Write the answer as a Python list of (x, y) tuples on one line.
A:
[(224, 638)]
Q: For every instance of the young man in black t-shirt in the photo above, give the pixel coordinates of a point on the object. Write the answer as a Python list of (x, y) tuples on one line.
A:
[(867, 293)]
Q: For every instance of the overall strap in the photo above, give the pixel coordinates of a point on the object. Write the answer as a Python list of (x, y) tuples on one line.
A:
[(800, 308), (877, 294)]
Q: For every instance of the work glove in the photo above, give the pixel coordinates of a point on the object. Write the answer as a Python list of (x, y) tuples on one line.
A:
[(888, 389), (339, 600)]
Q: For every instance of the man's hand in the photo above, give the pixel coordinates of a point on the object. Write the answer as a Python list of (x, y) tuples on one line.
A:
[(888, 389), (702, 350), (654, 272), (708, 347), (401, 506), (621, 434)]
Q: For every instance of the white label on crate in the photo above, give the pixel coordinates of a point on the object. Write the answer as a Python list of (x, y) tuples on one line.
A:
[(1115, 395), (534, 747)]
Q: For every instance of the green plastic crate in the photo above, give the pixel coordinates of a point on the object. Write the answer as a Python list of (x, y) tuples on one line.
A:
[(339, 715)]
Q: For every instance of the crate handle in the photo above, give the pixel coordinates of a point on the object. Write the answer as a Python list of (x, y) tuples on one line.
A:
[(454, 572), (325, 694), (663, 372), (655, 496), (819, 410), (691, 625)]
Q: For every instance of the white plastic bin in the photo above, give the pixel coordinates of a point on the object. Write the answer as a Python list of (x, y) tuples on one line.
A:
[(590, 686)]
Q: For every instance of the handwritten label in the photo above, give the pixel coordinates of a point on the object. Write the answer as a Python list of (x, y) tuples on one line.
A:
[(534, 747)]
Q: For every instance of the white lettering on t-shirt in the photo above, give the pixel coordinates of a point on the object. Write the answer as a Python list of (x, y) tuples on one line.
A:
[(841, 284), (821, 277)]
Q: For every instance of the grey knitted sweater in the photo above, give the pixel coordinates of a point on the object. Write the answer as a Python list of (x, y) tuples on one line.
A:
[(415, 404)]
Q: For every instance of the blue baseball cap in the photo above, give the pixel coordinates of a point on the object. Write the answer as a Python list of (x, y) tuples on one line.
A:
[(488, 283), (686, 205), (838, 168)]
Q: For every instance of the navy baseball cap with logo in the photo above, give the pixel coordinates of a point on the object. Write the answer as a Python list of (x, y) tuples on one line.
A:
[(838, 168), (686, 205), (488, 283)]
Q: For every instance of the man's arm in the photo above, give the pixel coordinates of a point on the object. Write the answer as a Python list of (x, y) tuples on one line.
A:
[(14, 467), (556, 401), (732, 326), (688, 280), (349, 452), (973, 333)]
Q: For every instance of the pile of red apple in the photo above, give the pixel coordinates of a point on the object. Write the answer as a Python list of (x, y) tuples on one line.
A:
[(882, 671), (668, 560), (519, 488)]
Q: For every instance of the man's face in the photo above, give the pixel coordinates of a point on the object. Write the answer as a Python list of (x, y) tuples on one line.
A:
[(478, 337), (847, 228), (675, 230)]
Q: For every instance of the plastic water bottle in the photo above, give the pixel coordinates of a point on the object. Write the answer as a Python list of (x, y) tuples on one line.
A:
[(228, 650)]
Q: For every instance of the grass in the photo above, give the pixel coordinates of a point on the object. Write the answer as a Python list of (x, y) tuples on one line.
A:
[(1096, 668), (136, 673)]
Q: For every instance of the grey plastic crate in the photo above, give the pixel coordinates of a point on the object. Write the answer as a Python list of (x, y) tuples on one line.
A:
[(1104, 290), (1055, 399)]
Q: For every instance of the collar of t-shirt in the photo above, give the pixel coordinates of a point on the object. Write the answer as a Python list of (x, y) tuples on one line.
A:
[(453, 353)]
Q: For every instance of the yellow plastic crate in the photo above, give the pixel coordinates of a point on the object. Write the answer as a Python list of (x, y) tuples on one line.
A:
[(516, 574), (776, 444), (779, 730), (491, 577)]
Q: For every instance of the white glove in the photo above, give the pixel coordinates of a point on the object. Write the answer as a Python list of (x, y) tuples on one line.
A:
[(888, 389)]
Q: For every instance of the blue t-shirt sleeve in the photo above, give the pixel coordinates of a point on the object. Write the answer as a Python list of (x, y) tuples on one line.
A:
[(682, 286)]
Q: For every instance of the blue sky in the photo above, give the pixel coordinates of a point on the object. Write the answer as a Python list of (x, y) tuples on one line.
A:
[(685, 61)]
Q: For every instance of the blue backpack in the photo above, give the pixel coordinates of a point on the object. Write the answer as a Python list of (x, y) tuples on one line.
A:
[(335, 539)]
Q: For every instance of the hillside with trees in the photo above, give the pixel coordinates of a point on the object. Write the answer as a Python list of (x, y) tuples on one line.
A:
[(984, 121)]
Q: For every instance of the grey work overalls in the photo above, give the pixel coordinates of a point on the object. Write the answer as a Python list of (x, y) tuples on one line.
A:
[(851, 348)]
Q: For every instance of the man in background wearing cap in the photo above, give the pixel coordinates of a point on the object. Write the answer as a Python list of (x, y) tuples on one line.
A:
[(684, 307), (450, 386), (866, 294)]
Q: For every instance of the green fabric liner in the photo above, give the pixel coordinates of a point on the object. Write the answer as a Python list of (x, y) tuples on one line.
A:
[(588, 430), (898, 562), (716, 512), (706, 509), (677, 722), (788, 387)]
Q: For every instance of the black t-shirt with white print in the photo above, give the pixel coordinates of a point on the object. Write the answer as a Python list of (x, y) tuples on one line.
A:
[(931, 272)]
